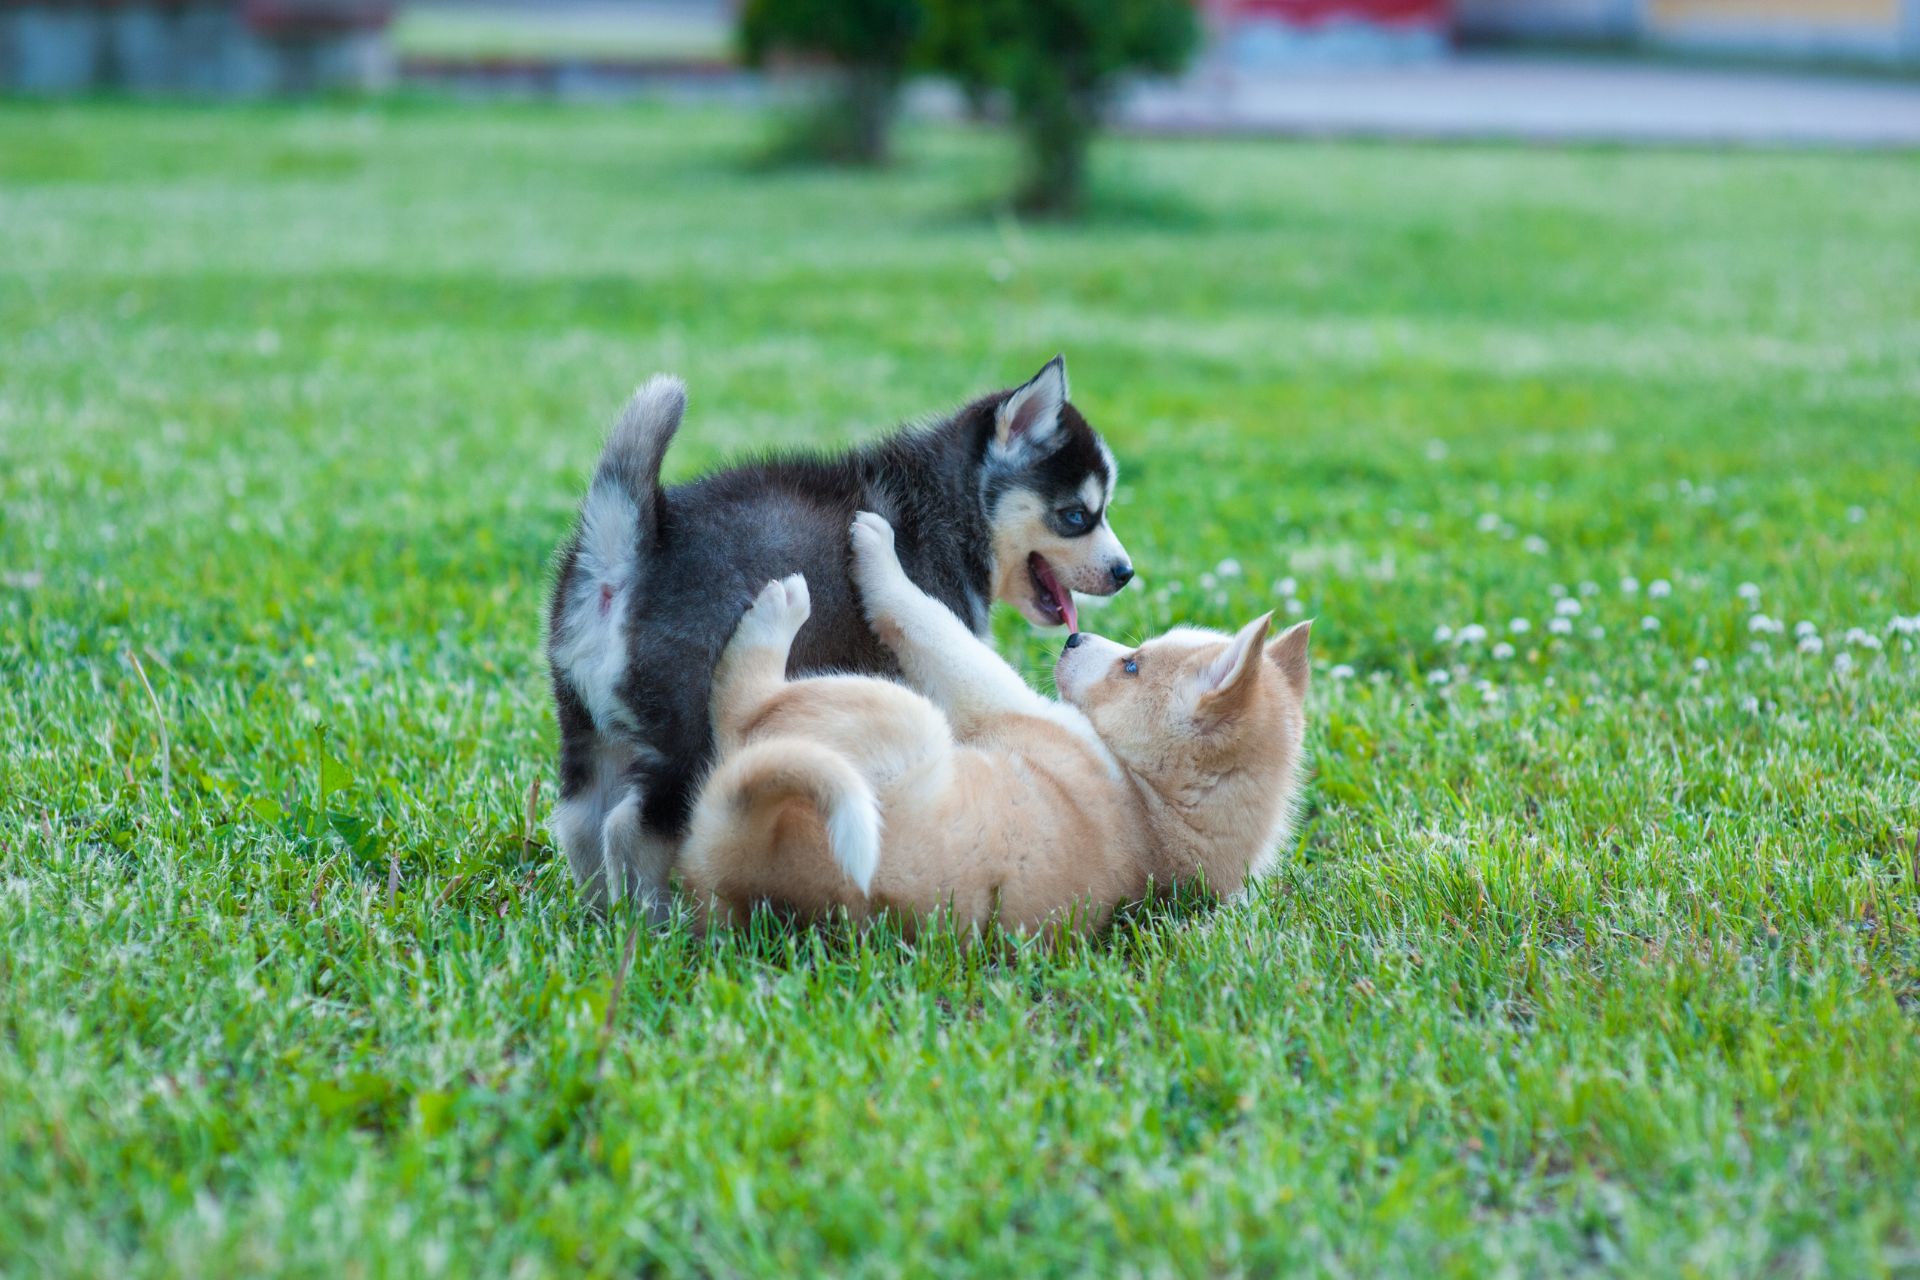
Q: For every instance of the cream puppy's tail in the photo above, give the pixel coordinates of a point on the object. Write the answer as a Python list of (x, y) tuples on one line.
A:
[(751, 787)]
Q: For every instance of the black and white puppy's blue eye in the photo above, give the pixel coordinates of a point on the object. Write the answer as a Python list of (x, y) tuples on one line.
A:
[(1075, 520), (1131, 666)]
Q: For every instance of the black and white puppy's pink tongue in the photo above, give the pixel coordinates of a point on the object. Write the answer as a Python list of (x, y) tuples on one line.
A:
[(1050, 592)]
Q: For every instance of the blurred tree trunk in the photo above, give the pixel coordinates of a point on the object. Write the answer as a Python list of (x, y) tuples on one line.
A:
[(1059, 123), (870, 97)]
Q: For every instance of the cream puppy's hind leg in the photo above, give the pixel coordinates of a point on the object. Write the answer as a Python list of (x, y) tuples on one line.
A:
[(753, 666), (941, 657)]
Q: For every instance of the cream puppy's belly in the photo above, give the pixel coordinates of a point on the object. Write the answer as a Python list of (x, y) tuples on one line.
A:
[(987, 834)]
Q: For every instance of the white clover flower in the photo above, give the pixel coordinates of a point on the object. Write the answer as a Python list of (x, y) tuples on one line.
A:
[(1294, 607), (1439, 675), (1596, 632), (1842, 663), (1812, 644), (1588, 587), (1862, 638), (1284, 587), (1488, 694), (1748, 591), (1803, 629), (1904, 626), (1502, 651), (1442, 633), (1561, 626), (1659, 589), (1436, 450), (1472, 633), (1534, 545), (1519, 626), (1228, 568), (1568, 608), (1629, 586), (1701, 666), (1340, 671), (1761, 624), (1555, 590), (1856, 514), (1649, 623), (1208, 582), (1750, 704), (1487, 523)]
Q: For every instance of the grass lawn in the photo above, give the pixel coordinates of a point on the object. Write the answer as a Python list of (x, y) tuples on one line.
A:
[(1597, 950)]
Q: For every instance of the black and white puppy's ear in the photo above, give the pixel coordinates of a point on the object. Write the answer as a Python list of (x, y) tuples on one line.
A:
[(1031, 414)]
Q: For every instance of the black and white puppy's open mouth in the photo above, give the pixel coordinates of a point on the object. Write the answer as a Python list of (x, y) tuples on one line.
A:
[(1054, 601)]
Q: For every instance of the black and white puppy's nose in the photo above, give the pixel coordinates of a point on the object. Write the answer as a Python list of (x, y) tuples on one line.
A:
[(1074, 640), (1122, 574)]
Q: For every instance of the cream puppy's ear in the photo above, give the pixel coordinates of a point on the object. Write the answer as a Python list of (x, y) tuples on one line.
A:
[(1225, 681), (1031, 414), (1289, 653)]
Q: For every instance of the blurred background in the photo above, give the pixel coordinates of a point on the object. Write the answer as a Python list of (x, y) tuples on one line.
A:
[(1649, 70)]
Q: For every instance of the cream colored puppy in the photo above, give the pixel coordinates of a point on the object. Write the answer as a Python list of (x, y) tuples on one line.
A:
[(1169, 763)]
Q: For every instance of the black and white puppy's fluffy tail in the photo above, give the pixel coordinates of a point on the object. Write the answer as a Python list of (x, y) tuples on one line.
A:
[(630, 462), (621, 513)]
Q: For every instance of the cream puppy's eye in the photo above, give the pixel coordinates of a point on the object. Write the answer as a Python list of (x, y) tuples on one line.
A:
[(1131, 665)]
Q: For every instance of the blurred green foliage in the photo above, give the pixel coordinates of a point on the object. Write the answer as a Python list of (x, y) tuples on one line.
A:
[(863, 45), (1056, 64), (1059, 63)]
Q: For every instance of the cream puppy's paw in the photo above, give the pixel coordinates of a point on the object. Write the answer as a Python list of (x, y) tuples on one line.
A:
[(777, 613), (876, 566)]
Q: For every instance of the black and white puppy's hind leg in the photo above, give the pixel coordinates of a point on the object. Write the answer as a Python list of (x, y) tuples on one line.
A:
[(605, 758), (614, 857)]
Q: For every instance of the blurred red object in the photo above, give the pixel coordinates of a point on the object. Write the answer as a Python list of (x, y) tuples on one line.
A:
[(307, 17), (1314, 13)]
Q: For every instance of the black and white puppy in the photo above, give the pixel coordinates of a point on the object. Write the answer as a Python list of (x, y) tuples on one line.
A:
[(1006, 499)]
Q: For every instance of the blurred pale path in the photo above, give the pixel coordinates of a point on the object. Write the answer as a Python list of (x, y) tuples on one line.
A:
[(1539, 99), (1504, 95), (638, 30)]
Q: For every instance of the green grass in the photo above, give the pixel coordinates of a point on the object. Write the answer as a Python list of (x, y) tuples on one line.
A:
[(1600, 957)]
